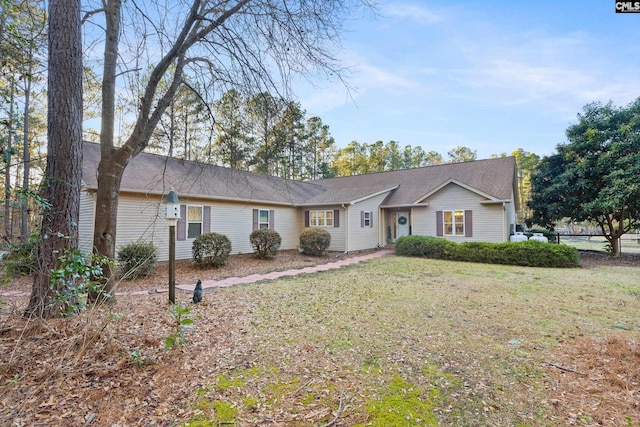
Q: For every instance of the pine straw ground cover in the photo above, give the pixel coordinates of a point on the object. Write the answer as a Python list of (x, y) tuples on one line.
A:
[(391, 342)]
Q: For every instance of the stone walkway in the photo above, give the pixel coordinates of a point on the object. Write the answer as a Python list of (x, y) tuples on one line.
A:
[(253, 278)]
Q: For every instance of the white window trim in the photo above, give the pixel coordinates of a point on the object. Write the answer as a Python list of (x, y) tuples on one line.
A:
[(201, 222), (261, 223), (453, 223), (316, 217), (368, 217)]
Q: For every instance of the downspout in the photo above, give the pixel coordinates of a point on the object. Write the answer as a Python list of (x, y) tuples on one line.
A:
[(504, 221), (346, 228)]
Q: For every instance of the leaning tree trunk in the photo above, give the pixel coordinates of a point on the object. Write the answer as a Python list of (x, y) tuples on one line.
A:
[(112, 164), (109, 174), (63, 173)]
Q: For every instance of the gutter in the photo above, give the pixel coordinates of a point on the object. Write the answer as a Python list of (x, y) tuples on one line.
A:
[(204, 196)]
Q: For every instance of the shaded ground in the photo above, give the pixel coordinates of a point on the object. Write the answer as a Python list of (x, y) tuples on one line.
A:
[(599, 258), (108, 367), (597, 382)]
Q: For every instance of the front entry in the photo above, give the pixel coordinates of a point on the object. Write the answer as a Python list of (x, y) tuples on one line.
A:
[(402, 224)]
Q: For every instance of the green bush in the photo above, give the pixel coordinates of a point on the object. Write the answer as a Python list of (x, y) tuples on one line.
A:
[(211, 250), (137, 259), (265, 242), (424, 246), (530, 253), (75, 277), (315, 241)]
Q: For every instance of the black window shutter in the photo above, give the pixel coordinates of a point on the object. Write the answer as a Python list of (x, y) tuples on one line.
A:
[(182, 223), (336, 218), (361, 219), (439, 224), (306, 218), (468, 224), (255, 219), (206, 219), (272, 219)]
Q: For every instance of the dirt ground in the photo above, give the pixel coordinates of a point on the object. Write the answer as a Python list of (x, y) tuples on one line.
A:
[(187, 273), (48, 379)]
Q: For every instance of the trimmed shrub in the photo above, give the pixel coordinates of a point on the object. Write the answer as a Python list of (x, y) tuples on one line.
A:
[(424, 246), (137, 259), (211, 250), (315, 241), (530, 253), (265, 242)]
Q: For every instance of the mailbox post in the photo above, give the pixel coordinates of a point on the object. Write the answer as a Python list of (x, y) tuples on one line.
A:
[(172, 214)]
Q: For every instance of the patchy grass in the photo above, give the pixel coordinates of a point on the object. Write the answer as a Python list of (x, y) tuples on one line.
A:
[(395, 341)]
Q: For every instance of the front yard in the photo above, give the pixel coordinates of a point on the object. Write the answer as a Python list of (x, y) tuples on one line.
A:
[(393, 341)]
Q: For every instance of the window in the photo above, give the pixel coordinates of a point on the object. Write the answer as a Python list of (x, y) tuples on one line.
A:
[(367, 218), (194, 221), (321, 218), (263, 218), (453, 222)]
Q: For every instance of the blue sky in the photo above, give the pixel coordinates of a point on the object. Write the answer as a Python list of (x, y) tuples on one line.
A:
[(491, 75)]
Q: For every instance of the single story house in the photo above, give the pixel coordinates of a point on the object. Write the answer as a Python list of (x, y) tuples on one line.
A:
[(471, 201)]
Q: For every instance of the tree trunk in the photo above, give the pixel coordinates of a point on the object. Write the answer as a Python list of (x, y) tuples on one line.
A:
[(110, 170), (24, 226), (109, 174), (612, 234), (8, 229), (63, 174)]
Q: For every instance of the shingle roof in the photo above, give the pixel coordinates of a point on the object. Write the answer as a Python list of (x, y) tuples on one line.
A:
[(156, 174), (492, 177)]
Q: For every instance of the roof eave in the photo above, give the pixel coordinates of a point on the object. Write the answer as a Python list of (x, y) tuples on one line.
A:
[(377, 193), (495, 201), (405, 205), (202, 196)]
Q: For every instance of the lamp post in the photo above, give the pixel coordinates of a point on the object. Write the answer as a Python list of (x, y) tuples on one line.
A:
[(172, 214)]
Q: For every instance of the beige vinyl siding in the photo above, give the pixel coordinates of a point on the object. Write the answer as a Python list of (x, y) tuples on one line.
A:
[(138, 220), (337, 233), (86, 222), (489, 220), (286, 221), (235, 220), (365, 237), (141, 218)]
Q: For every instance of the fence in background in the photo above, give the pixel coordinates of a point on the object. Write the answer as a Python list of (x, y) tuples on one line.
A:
[(629, 243)]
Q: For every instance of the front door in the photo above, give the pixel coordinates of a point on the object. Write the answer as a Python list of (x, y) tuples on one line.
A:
[(402, 224)]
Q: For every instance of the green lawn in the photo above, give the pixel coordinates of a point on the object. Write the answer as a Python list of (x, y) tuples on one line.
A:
[(390, 342), (412, 342)]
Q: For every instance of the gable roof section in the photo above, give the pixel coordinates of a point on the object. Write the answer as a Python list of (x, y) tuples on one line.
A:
[(489, 198), (492, 178), (156, 174)]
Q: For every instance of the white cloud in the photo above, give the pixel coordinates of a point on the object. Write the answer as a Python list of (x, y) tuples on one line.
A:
[(417, 14)]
